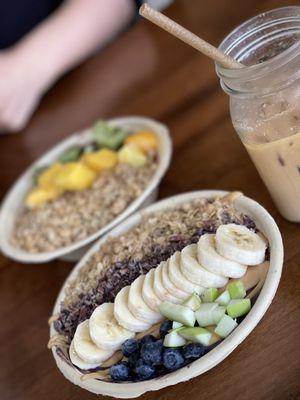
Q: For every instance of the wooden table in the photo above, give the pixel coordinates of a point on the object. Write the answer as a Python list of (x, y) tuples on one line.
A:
[(148, 72)]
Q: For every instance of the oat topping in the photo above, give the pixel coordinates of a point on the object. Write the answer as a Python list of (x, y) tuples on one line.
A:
[(76, 215)]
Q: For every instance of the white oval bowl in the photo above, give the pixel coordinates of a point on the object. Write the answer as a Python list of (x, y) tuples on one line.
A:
[(266, 225), (14, 200)]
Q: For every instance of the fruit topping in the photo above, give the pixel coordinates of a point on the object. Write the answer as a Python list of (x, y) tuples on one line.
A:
[(101, 160), (74, 176), (137, 304), (108, 136), (177, 312), (195, 272), (86, 349), (236, 290), (165, 327), (214, 262), (178, 278), (133, 358), (144, 370), (76, 360), (172, 359), (223, 299), (196, 335), (173, 339), (71, 154), (39, 196), (129, 347), (159, 288), (240, 244), (124, 316), (147, 339), (104, 329), (145, 140), (176, 325), (38, 172), (151, 353), (209, 314), (237, 308), (192, 351), (193, 302), (225, 326), (120, 371), (131, 154), (209, 295)]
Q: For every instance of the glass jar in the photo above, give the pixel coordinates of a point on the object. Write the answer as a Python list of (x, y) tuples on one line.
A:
[(265, 100)]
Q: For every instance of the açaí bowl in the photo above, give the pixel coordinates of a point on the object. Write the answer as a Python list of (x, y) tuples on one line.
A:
[(265, 223), (14, 200)]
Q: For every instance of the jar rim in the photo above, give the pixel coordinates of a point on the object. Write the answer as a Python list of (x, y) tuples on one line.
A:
[(245, 30)]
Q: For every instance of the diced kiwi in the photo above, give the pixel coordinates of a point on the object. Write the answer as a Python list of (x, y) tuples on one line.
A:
[(236, 290), (177, 312), (71, 154), (107, 136), (225, 326), (238, 307), (196, 335), (209, 295), (193, 302), (173, 339)]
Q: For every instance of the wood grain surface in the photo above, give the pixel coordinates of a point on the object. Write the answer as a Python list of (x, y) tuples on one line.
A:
[(148, 72)]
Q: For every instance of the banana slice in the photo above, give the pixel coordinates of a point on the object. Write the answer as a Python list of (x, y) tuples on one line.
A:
[(86, 348), (138, 306), (149, 296), (238, 243), (195, 272), (178, 278), (159, 288), (105, 331), (124, 316), (78, 362), (214, 262), (169, 285)]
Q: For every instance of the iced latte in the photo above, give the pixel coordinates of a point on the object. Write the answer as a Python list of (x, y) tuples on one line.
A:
[(265, 100)]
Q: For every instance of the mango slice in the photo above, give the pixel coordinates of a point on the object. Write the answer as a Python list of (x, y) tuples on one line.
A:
[(100, 160), (47, 178), (145, 140), (131, 154), (40, 196), (75, 176)]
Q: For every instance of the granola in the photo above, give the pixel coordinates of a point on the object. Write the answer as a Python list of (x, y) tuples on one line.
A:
[(76, 215)]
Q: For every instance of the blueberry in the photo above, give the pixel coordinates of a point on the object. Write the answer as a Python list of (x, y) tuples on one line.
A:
[(133, 358), (120, 371), (143, 370), (164, 328), (147, 339), (172, 359), (129, 347), (193, 350), (151, 353)]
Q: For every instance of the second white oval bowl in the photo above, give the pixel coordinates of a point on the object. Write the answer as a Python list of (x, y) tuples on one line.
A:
[(14, 200), (266, 225)]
